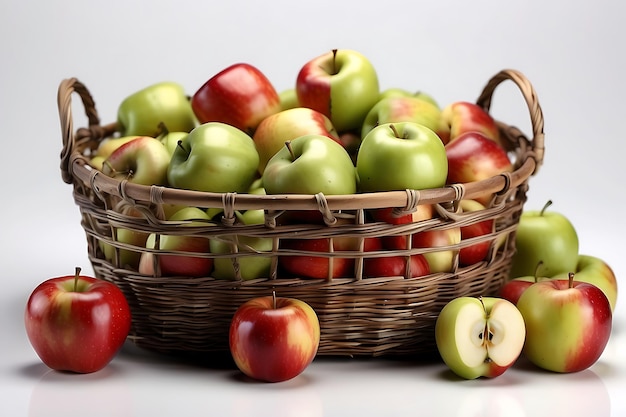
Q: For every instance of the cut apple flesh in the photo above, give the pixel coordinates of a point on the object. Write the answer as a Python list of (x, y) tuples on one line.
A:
[(471, 324), (503, 346)]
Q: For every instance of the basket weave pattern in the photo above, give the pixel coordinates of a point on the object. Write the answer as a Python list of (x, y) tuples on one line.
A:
[(359, 316)]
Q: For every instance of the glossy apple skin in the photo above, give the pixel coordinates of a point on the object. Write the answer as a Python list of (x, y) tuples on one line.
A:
[(461, 117), (239, 95), (513, 289), (272, 133), (392, 266), (403, 109), (321, 165), (179, 264), (311, 266), (448, 334), (274, 344), (596, 271), (442, 260), (141, 113), (341, 84), (478, 252), (77, 330), (548, 237), (214, 157), (474, 157), (567, 328), (143, 160), (400, 156)]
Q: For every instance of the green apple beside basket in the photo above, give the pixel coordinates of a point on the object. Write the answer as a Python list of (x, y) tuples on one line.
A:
[(359, 316)]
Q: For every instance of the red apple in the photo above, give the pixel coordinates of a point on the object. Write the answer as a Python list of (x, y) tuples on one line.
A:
[(513, 289), (239, 95), (462, 117), (77, 323), (395, 265), (272, 133), (478, 252), (474, 157), (274, 339), (389, 215), (441, 260), (568, 324)]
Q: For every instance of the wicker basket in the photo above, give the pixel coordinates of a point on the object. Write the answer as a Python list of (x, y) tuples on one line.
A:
[(359, 316)]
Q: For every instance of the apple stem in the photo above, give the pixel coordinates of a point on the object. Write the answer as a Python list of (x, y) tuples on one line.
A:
[(290, 149), (76, 275), (334, 61), (180, 145), (163, 131), (570, 278), (545, 207), (274, 299), (537, 270), (395, 131)]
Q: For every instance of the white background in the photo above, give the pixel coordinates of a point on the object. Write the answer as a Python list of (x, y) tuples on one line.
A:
[(572, 51)]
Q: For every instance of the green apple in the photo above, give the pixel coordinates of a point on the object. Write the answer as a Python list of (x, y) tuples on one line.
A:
[(402, 92), (596, 271), (403, 109), (479, 336), (272, 133), (170, 140), (143, 160), (399, 156), (547, 237), (288, 99), (568, 324), (142, 112), (310, 164), (341, 84), (243, 267), (214, 157)]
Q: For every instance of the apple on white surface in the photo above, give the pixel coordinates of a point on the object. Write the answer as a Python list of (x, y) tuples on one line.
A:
[(272, 133), (239, 95), (77, 323), (598, 272), (400, 156), (568, 324), (143, 160), (548, 237), (190, 261), (274, 339), (342, 84), (479, 337), (214, 157)]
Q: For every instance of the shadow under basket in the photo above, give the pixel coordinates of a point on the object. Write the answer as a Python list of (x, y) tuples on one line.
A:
[(359, 315)]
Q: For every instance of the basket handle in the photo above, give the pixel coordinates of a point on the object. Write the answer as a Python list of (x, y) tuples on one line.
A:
[(536, 114), (70, 138)]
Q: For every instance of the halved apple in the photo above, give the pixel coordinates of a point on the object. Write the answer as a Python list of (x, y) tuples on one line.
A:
[(481, 336)]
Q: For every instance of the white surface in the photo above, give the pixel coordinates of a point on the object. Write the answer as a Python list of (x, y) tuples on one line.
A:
[(570, 50)]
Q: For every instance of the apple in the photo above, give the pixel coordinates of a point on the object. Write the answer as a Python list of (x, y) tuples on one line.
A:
[(108, 145), (397, 156), (479, 337), (478, 252), (402, 92), (179, 255), (274, 339), (568, 324), (243, 267), (513, 289), (474, 157), (288, 99), (214, 157), (593, 270), (305, 264), (77, 323), (272, 133), (310, 164), (404, 109), (239, 95), (548, 237), (142, 113), (170, 140), (440, 260), (342, 84), (461, 117), (143, 160), (396, 265), (392, 215)]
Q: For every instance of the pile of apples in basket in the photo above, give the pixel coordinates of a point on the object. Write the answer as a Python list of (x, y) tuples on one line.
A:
[(335, 133)]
